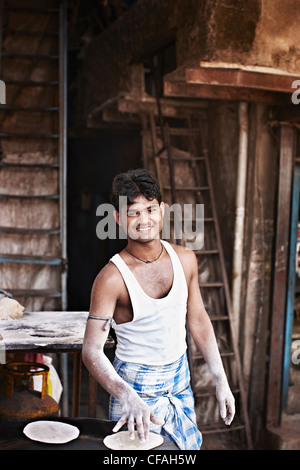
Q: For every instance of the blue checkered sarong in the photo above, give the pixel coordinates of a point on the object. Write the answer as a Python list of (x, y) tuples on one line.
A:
[(166, 389)]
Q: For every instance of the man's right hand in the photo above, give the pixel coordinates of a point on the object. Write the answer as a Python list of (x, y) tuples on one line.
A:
[(135, 412)]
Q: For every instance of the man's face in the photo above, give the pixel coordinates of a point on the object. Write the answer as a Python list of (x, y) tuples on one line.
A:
[(141, 220)]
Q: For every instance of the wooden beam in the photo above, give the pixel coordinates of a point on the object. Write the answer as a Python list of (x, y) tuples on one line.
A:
[(176, 86), (170, 107), (231, 75), (287, 146)]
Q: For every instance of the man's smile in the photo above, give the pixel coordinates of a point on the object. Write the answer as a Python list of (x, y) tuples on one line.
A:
[(144, 229)]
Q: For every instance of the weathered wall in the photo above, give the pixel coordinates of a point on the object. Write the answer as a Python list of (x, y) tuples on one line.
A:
[(217, 30), (277, 41), (260, 32)]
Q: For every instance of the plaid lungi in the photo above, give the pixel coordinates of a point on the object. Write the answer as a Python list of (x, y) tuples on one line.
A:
[(166, 389)]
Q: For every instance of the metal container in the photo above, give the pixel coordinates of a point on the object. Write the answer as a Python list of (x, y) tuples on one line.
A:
[(19, 401)]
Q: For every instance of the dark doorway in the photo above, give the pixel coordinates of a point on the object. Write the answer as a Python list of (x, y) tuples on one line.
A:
[(92, 164)]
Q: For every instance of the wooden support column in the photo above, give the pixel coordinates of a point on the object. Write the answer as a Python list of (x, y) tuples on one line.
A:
[(287, 141), (92, 405), (76, 384)]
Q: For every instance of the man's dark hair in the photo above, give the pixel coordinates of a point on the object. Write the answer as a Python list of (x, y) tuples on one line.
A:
[(134, 183)]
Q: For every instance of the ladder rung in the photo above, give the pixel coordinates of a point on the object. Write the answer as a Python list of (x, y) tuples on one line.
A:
[(29, 165), (28, 231), (222, 429), (34, 196), (187, 159), (218, 317), (198, 355), (206, 252), (30, 83), (22, 32), (29, 56), (189, 188), (29, 10), (33, 109), (29, 259), (29, 136), (211, 284), (181, 131), (34, 292), (208, 393)]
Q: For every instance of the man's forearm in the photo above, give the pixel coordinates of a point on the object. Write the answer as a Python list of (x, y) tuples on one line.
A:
[(206, 343), (134, 410), (103, 371), (205, 340)]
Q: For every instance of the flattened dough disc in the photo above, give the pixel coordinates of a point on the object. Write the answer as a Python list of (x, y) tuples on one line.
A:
[(121, 441), (51, 432)]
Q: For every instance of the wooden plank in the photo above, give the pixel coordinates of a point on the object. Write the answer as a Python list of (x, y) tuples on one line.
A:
[(241, 78), (29, 56), (30, 259), (92, 405), (287, 136), (34, 293), (169, 107), (176, 86), (189, 90), (29, 231), (77, 368)]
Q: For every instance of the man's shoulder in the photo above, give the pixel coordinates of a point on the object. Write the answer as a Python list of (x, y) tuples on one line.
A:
[(183, 252), (108, 277), (187, 257)]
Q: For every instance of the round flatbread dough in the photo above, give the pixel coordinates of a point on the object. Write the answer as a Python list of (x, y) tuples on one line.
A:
[(121, 441), (51, 432)]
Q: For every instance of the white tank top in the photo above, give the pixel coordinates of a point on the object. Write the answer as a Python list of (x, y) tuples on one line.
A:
[(156, 335)]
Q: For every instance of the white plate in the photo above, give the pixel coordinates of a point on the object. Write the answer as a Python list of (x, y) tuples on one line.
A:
[(120, 441), (51, 432)]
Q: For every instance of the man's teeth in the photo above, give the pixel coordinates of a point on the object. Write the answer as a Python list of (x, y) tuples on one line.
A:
[(144, 229)]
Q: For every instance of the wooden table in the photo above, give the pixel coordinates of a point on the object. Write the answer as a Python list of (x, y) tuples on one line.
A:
[(54, 332)]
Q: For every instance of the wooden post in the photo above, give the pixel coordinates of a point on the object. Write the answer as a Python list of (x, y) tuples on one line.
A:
[(76, 384), (287, 139), (92, 405)]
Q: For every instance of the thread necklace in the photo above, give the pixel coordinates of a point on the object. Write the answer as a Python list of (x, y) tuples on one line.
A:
[(147, 262)]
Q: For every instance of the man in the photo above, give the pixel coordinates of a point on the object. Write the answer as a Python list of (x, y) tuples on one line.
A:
[(147, 293)]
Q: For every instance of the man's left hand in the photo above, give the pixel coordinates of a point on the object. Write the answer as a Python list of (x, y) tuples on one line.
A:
[(226, 402)]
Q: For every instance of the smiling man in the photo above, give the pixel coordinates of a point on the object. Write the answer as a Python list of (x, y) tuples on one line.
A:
[(148, 292)]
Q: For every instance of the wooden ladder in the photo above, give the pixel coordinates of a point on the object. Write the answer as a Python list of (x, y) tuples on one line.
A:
[(175, 149), (33, 153)]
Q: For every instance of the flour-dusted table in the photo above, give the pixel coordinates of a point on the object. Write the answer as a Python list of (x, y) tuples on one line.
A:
[(54, 332)]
